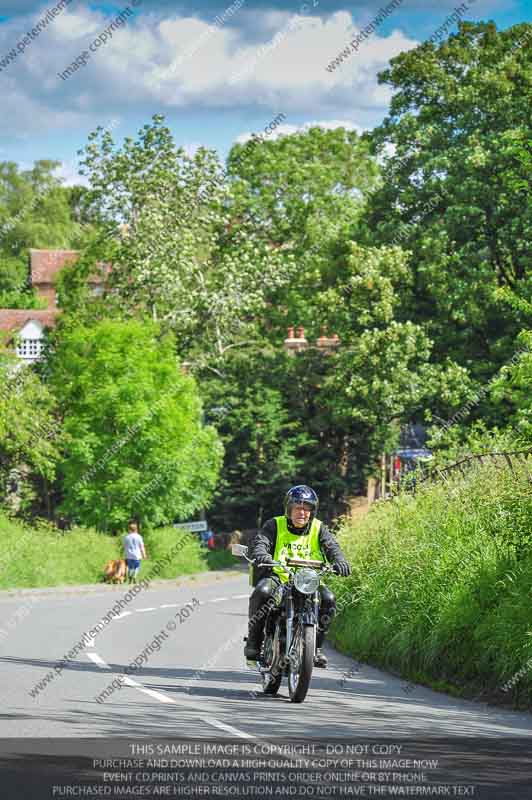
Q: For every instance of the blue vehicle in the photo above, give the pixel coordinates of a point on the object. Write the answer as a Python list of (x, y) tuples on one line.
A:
[(407, 462)]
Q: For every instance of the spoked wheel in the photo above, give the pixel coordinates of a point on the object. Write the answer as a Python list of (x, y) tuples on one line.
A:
[(301, 662), (270, 683)]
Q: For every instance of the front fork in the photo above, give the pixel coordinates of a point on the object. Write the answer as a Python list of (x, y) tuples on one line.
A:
[(289, 620), (309, 616)]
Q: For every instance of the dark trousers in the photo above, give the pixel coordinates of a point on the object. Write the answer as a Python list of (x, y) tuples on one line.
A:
[(263, 592)]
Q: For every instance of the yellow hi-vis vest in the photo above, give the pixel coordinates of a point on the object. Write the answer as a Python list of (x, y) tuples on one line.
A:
[(296, 545)]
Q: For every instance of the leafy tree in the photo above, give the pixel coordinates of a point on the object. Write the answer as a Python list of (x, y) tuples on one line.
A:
[(514, 386), (307, 193), (383, 374), (303, 193), (35, 212), (455, 192), (518, 145), (30, 431), (289, 185), (176, 256), (134, 442), (334, 457), (262, 439), (74, 293)]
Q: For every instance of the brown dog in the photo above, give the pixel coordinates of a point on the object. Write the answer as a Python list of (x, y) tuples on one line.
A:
[(115, 571)]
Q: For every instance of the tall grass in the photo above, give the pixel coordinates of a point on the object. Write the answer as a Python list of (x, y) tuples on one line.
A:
[(44, 556), (443, 582)]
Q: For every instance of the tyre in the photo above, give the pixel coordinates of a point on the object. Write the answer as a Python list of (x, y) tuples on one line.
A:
[(301, 662), (272, 687)]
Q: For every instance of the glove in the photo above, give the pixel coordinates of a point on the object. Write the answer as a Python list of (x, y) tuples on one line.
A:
[(264, 561), (342, 568)]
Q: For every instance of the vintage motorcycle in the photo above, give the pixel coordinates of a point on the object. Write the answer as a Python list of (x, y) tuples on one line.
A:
[(289, 642)]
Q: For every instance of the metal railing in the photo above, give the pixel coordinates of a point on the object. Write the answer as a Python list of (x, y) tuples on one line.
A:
[(469, 460)]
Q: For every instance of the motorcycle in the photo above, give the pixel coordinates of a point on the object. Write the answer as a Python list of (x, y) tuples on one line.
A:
[(289, 641)]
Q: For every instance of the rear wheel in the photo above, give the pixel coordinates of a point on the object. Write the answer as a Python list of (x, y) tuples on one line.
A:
[(301, 662), (270, 684)]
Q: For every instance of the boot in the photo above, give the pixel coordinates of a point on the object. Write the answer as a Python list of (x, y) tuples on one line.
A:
[(320, 659), (253, 643), (251, 651)]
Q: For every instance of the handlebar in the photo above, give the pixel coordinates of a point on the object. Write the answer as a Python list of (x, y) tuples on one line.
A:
[(296, 562)]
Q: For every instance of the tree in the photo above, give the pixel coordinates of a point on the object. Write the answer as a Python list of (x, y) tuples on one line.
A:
[(383, 375), (169, 235), (30, 432), (455, 191), (35, 212), (513, 386), (134, 442), (304, 193), (262, 439), (308, 192)]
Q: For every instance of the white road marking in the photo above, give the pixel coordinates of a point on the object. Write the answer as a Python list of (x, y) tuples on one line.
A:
[(98, 660), (101, 663), (240, 597), (163, 698), (216, 723), (130, 682), (158, 696)]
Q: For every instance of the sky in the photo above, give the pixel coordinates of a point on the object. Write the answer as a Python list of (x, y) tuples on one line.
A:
[(217, 70)]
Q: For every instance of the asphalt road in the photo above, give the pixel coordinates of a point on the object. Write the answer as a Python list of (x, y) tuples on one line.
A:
[(197, 682)]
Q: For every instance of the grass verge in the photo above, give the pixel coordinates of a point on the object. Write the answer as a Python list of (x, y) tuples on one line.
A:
[(442, 586), (34, 557)]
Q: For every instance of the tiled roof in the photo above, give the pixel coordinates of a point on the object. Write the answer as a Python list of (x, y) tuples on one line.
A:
[(14, 319), (45, 264)]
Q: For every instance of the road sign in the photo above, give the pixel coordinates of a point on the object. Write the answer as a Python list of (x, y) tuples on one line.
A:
[(193, 527)]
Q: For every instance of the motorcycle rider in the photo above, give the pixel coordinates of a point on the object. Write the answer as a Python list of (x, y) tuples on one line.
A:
[(297, 534)]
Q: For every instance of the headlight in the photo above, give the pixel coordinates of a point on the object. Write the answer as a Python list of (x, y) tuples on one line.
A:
[(306, 580)]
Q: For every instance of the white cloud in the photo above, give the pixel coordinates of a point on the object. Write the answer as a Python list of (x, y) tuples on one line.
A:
[(140, 66), (288, 67), (287, 130)]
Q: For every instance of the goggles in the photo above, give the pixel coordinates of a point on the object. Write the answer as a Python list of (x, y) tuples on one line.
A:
[(307, 507)]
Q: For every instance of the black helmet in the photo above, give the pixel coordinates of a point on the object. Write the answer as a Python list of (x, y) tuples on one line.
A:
[(301, 494)]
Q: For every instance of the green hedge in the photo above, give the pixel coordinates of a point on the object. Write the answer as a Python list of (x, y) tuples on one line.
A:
[(45, 556), (442, 585)]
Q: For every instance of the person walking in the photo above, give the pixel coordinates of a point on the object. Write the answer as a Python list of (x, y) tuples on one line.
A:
[(134, 550)]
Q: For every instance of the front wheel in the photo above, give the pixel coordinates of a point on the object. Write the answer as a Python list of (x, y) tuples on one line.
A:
[(301, 662)]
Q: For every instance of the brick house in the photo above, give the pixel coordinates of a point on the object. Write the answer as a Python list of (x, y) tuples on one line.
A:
[(45, 266), (29, 326)]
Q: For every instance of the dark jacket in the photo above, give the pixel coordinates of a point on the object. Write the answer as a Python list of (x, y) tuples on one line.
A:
[(263, 543)]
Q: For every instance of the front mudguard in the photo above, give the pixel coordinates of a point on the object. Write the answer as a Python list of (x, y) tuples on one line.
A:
[(309, 617)]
